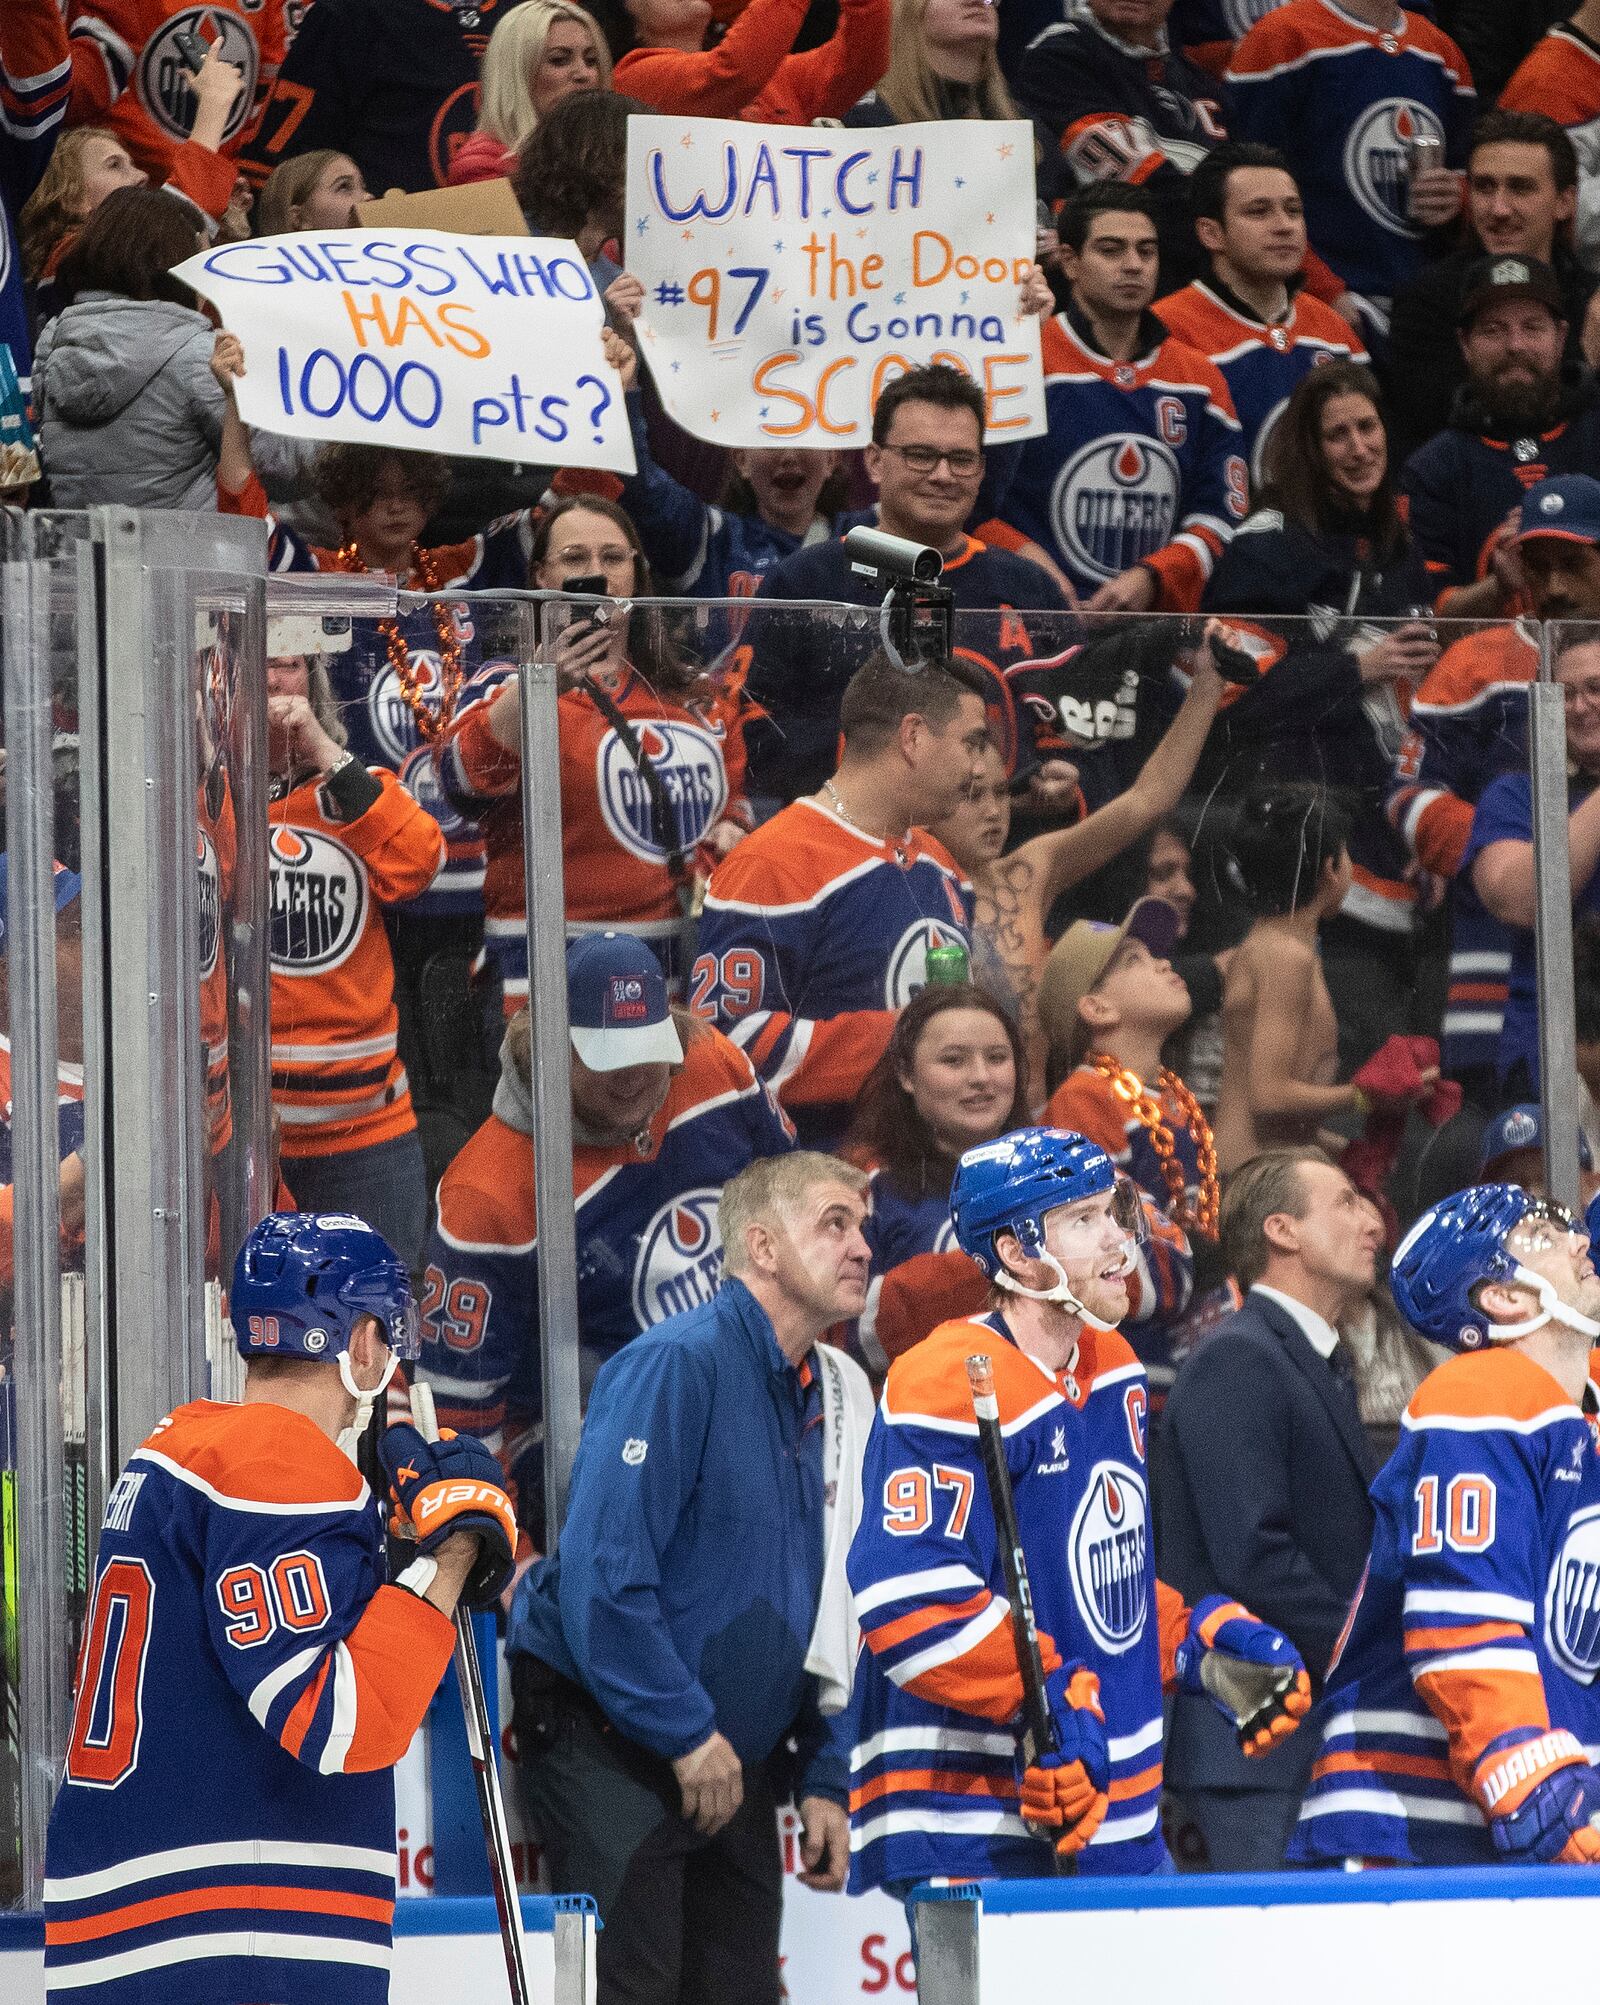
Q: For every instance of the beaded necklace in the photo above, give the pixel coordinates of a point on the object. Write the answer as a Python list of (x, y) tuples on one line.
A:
[(1146, 1109), (431, 725)]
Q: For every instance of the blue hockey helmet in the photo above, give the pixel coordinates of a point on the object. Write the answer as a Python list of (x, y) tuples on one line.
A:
[(1460, 1244), (303, 1278), (1013, 1184)]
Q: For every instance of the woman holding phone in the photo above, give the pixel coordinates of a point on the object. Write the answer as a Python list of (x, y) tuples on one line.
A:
[(652, 755)]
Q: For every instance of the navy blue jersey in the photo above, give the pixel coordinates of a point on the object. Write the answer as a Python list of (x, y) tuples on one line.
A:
[(1343, 100), (224, 1830)]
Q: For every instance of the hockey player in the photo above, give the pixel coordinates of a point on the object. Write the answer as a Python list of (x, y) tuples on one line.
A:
[(224, 1829), (1139, 483), (1459, 1705), (936, 1784), (1344, 91), (1123, 105), (1249, 313), (817, 928)]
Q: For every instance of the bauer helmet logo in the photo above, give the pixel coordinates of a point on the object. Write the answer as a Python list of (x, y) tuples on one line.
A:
[(634, 1451)]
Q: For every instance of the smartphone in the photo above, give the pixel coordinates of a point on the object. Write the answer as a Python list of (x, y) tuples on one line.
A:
[(595, 587), (192, 48)]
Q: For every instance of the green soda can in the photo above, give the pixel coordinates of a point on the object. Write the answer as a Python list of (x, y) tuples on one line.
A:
[(948, 964)]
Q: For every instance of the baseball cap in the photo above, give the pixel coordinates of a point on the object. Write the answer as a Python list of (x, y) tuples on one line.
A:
[(1492, 280), (68, 884), (1520, 1127), (617, 1004), (1083, 953), (1568, 506)]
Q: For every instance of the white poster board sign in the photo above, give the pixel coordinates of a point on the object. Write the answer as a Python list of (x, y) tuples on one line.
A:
[(790, 273), (478, 345)]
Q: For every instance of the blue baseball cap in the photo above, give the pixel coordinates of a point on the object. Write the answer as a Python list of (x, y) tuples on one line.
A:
[(1568, 506), (68, 884), (1521, 1127), (617, 1004)]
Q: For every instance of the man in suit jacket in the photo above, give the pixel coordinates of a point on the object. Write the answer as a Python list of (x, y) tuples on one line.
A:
[(1261, 1474)]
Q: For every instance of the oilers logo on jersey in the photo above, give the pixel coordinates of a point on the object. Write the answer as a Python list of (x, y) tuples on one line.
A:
[(1572, 1603), (1109, 1552), (210, 876), (1114, 502), (688, 761), (162, 78), (318, 900), (680, 1257), (1375, 158), (393, 722), (419, 775), (907, 972)]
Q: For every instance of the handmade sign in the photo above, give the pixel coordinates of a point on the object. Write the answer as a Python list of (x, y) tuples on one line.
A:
[(790, 272), (413, 338)]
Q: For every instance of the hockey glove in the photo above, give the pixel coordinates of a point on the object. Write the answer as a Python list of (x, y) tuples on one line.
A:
[(454, 1484), (1064, 1792), (1542, 1799), (1250, 1671)]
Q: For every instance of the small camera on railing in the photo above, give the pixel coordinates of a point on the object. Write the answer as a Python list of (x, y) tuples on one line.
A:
[(895, 558)]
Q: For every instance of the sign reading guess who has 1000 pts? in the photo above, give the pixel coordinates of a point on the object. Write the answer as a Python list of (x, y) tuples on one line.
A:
[(414, 338), (790, 272)]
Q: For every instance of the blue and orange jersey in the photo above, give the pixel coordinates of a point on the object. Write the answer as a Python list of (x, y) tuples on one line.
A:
[(224, 1829), (938, 1689), (1208, 31), (623, 863), (35, 82), (1475, 1623), (1468, 724), (1160, 1289), (1261, 361), (649, 1244), (1343, 100), (337, 1080), (1142, 464), (812, 937)]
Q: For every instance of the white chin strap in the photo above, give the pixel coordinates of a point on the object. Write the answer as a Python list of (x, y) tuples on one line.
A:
[(1551, 1310), (1061, 1292), (350, 1437)]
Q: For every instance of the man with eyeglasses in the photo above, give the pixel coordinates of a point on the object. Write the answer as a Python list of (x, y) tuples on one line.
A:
[(927, 462), (1456, 1718), (1560, 551)]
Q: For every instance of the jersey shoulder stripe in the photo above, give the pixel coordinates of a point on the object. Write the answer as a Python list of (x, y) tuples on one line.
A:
[(1484, 1390), (256, 1457), (1560, 76), (928, 1386), (1474, 668)]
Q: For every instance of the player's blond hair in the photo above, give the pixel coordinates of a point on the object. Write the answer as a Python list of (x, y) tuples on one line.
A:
[(515, 51), (769, 1191)]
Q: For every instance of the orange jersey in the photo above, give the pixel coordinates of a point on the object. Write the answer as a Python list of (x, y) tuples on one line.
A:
[(615, 856), (337, 1080), (128, 72)]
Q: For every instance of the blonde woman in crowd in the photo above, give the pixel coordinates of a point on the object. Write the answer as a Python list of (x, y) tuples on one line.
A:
[(539, 53)]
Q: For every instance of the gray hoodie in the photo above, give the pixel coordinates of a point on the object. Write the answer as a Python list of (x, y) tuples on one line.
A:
[(129, 410)]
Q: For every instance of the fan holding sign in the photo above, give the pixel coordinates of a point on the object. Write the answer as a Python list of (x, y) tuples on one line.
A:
[(788, 277)]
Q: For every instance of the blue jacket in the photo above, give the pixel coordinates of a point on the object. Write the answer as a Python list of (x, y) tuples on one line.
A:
[(685, 1586)]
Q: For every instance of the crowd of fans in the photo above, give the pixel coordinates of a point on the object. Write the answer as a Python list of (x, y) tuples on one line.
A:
[(1211, 840)]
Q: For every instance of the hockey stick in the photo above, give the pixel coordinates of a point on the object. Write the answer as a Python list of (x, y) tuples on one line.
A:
[(480, 1745), (1038, 1734)]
